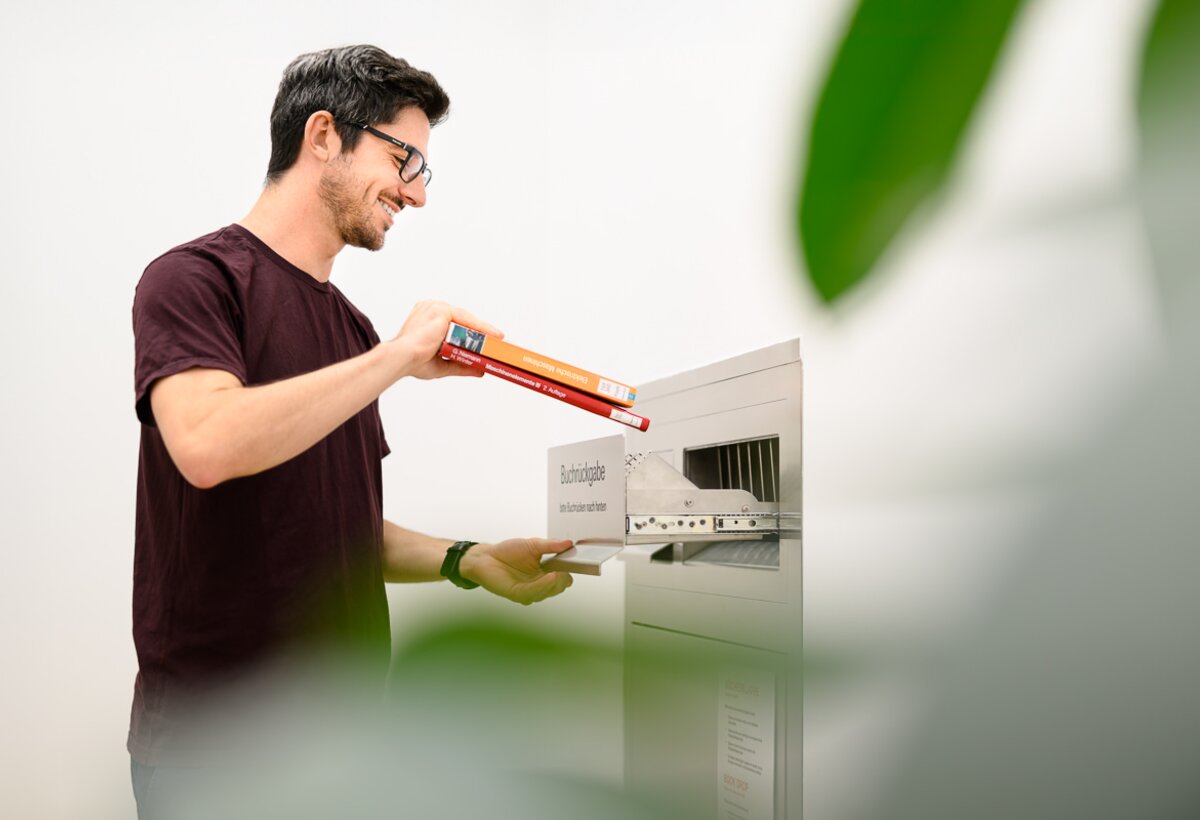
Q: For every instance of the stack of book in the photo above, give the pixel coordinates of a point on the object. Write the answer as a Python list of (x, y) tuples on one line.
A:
[(597, 394)]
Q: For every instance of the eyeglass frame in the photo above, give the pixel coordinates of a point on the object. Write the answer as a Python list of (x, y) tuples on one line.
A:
[(425, 171)]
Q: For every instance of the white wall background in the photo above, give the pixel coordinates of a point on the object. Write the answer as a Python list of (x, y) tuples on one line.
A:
[(578, 204)]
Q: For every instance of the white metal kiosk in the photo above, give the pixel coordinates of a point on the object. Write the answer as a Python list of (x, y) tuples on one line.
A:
[(705, 509)]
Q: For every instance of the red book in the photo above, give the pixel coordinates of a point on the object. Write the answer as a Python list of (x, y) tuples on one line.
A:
[(533, 382), (576, 378)]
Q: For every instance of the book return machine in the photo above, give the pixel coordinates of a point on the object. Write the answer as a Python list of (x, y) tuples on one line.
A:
[(704, 509)]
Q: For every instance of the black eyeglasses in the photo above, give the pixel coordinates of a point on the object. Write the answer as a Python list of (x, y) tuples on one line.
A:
[(414, 164)]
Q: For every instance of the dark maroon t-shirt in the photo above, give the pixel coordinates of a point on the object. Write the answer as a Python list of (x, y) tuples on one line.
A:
[(228, 578)]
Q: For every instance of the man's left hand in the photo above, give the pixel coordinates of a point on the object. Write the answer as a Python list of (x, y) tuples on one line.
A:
[(512, 569)]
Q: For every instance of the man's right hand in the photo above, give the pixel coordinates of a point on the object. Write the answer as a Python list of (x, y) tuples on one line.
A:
[(423, 333)]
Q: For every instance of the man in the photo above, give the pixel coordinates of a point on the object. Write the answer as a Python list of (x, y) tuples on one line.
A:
[(260, 530)]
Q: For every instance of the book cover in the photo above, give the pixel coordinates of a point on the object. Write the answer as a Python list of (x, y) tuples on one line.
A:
[(534, 382), (498, 350)]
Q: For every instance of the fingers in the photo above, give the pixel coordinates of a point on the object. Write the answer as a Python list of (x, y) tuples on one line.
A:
[(528, 552), (446, 313), (526, 582), (437, 368), (424, 331), (456, 369), (465, 317), (541, 546), (551, 584), (431, 319)]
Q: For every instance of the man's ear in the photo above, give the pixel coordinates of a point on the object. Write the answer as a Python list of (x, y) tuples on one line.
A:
[(321, 139)]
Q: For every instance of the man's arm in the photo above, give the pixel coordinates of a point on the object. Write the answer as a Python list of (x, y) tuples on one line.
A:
[(411, 556), (216, 429), (511, 569)]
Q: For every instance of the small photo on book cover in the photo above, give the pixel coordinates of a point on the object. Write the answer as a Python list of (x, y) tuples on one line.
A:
[(466, 338)]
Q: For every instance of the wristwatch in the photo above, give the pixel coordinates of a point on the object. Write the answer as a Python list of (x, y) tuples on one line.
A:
[(450, 565)]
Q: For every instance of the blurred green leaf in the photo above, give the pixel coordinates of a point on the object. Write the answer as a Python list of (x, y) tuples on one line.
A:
[(888, 124), (1169, 163)]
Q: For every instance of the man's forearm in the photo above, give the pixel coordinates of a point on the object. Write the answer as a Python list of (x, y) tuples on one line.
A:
[(236, 431), (411, 556)]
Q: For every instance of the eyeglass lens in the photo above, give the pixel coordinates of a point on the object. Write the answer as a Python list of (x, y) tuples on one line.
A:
[(414, 165)]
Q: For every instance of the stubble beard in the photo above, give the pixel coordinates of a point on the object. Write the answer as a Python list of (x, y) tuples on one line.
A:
[(352, 218)]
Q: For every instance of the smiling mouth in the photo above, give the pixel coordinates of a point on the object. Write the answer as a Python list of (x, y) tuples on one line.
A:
[(390, 209)]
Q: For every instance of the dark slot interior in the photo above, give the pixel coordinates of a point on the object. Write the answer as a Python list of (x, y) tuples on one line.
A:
[(751, 465)]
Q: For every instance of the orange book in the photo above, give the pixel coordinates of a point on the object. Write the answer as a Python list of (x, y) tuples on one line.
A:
[(538, 384), (609, 390)]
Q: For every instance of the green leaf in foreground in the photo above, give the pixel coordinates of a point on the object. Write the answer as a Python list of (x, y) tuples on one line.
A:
[(887, 125), (1169, 164)]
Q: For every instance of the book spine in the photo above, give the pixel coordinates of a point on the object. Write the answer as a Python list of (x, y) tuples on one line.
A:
[(498, 350), (534, 382)]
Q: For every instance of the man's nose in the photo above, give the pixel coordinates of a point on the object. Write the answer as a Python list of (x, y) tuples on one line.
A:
[(413, 193)]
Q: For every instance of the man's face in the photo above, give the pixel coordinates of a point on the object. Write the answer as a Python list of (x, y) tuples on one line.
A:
[(363, 189)]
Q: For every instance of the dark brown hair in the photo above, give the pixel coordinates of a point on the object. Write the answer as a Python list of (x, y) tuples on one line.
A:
[(357, 84)]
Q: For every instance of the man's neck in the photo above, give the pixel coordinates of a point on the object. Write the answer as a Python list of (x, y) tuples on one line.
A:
[(297, 228)]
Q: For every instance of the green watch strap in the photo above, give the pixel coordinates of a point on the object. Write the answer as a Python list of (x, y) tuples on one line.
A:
[(450, 564)]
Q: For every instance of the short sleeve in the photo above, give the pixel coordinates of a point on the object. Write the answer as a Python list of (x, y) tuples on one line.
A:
[(185, 314)]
